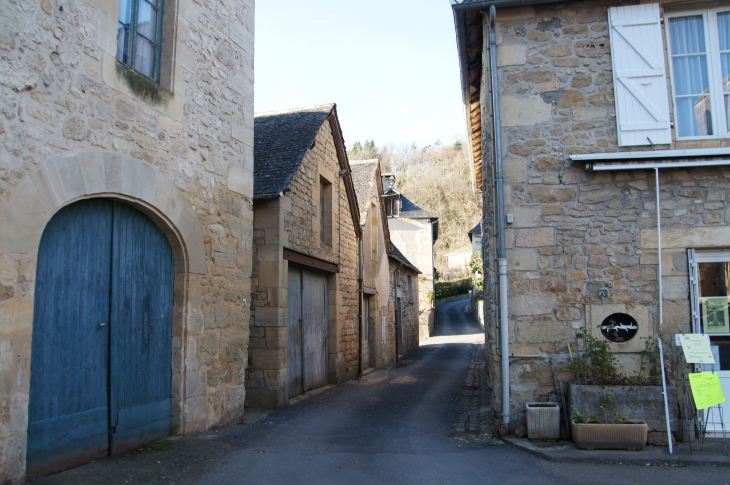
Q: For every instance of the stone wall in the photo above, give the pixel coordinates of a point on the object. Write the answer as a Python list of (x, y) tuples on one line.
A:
[(409, 306), (293, 222), (68, 105), (576, 232)]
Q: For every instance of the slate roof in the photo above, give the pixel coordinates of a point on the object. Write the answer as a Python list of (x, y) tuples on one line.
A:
[(412, 211), (477, 230), (396, 255), (363, 177), (281, 139)]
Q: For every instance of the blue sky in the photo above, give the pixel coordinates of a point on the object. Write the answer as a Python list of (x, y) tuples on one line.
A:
[(390, 65)]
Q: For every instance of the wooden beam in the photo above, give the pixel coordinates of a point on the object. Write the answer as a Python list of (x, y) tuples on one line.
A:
[(310, 261)]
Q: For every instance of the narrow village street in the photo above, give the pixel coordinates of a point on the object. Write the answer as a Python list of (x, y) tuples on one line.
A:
[(417, 423)]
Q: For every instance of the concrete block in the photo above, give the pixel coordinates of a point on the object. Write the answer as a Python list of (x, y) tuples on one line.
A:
[(24, 220), (533, 304), (534, 238), (276, 337), (511, 55), (521, 260), (195, 383), (266, 399), (525, 111), (515, 170), (270, 317), (16, 317), (583, 114), (524, 215), (240, 180), (268, 359)]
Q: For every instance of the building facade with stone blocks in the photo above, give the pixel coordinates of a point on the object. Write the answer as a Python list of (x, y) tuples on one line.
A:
[(414, 231), (305, 325), (126, 224), (378, 334), (612, 127), (404, 304)]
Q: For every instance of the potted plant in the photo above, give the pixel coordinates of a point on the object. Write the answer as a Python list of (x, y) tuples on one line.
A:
[(609, 430), (637, 398)]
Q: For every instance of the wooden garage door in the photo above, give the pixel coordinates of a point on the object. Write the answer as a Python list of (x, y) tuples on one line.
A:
[(307, 347), (100, 356)]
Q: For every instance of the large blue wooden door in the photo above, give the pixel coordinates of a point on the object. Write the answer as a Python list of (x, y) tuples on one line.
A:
[(68, 411), (100, 371), (141, 327)]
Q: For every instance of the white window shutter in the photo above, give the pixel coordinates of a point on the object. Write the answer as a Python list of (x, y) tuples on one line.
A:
[(639, 75)]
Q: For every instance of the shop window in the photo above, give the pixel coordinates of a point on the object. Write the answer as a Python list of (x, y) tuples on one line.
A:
[(710, 295)]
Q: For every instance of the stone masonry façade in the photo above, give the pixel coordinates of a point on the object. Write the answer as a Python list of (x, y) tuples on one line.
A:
[(66, 103), (409, 309), (576, 232), (293, 222)]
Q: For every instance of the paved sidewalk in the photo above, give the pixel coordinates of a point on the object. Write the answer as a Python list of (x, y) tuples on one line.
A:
[(712, 452), (474, 424)]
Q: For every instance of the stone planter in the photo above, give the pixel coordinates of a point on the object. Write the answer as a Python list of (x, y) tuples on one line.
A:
[(618, 436), (543, 420), (645, 403)]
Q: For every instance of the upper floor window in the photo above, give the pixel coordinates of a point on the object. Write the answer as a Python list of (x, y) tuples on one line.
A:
[(325, 212), (139, 36), (699, 50)]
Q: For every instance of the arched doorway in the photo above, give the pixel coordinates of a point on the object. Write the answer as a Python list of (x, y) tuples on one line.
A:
[(101, 359)]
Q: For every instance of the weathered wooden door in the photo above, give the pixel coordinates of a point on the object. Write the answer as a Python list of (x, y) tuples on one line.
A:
[(294, 352), (398, 327), (141, 331), (307, 332), (314, 329), (100, 371)]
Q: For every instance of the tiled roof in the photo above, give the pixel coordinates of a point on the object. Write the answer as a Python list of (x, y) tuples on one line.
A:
[(477, 229), (412, 211), (363, 177), (396, 255), (281, 139)]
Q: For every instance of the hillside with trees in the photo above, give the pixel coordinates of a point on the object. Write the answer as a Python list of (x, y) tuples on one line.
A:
[(435, 177)]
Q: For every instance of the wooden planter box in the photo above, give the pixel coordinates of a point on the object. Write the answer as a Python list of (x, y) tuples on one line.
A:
[(618, 436)]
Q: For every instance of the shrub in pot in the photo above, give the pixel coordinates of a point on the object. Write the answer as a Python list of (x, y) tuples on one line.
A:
[(610, 430), (635, 398)]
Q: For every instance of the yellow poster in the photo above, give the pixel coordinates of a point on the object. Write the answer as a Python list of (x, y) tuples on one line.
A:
[(706, 389)]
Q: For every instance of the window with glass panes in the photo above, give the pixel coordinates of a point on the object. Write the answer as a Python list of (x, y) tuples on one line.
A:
[(138, 36), (699, 50)]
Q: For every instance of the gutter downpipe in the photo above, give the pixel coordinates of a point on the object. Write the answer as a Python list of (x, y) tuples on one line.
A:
[(502, 258)]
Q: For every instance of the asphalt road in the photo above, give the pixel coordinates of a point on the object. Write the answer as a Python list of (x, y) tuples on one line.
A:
[(392, 427)]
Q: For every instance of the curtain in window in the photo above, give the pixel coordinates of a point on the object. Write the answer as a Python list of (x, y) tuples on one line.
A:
[(723, 29), (137, 35), (690, 76)]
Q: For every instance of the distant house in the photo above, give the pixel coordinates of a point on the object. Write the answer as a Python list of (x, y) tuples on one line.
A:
[(475, 236), (404, 302), (305, 326), (414, 231), (459, 259), (379, 320)]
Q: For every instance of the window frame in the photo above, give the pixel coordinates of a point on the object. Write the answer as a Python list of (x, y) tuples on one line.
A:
[(714, 66), (134, 33)]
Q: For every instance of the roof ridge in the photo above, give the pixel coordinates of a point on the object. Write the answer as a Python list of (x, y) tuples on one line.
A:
[(316, 107)]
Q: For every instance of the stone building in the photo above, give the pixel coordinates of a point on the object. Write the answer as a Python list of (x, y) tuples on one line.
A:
[(305, 327), (404, 303), (379, 345), (608, 156), (414, 231), (126, 160)]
